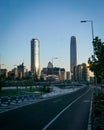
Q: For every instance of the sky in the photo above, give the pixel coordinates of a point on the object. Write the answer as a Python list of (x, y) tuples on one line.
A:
[(53, 22)]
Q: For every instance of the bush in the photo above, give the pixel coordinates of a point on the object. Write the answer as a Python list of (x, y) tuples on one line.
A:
[(97, 111)]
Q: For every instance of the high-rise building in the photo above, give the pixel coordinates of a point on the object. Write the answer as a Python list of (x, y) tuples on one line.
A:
[(73, 55), (81, 73), (35, 58), (21, 70), (67, 75), (62, 74)]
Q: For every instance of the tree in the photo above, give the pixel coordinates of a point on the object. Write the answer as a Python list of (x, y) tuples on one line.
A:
[(2, 81), (96, 61)]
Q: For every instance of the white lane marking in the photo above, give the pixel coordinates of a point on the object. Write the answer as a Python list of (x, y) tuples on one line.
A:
[(86, 101), (63, 111), (90, 113), (59, 100)]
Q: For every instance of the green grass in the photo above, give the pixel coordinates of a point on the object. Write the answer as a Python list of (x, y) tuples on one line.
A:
[(14, 92)]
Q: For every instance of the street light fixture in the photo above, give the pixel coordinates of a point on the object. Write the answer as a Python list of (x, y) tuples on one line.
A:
[(53, 59), (92, 29), (91, 21)]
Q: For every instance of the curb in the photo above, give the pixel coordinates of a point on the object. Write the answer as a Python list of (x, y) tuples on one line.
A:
[(90, 114)]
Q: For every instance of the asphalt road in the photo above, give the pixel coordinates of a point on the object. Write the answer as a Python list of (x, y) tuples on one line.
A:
[(67, 112)]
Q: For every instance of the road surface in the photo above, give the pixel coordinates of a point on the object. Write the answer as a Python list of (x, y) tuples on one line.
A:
[(65, 112)]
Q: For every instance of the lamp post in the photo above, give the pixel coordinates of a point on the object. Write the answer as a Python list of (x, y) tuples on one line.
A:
[(53, 59), (92, 29), (91, 21)]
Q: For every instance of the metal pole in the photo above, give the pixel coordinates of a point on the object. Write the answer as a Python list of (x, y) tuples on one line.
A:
[(94, 54), (53, 59), (92, 29)]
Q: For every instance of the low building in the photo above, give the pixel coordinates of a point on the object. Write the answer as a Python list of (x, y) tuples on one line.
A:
[(4, 72), (53, 73)]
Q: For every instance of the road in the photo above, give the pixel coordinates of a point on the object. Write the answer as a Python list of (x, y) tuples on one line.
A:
[(67, 112)]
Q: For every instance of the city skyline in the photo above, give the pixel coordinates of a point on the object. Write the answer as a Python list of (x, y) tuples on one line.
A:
[(53, 22)]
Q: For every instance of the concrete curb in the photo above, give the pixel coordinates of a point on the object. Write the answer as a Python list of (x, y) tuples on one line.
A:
[(90, 114)]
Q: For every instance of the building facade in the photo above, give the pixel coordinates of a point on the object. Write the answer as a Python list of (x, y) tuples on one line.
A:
[(4, 72), (21, 70), (62, 74), (53, 73), (81, 73), (73, 55), (68, 75), (35, 58)]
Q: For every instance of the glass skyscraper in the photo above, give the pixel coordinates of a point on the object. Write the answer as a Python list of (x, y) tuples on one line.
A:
[(35, 58), (73, 55)]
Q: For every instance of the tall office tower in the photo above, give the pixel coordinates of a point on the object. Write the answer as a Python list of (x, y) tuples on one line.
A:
[(73, 55), (35, 58)]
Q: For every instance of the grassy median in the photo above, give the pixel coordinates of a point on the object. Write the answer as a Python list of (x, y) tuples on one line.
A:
[(98, 112)]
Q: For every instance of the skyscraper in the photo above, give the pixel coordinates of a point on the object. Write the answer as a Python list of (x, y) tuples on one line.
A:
[(35, 58), (73, 55)]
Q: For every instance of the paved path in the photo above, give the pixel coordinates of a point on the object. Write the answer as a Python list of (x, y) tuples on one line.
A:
[(64, 112)]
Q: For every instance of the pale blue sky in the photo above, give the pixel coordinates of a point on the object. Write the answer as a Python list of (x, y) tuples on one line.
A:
[(53, 22)]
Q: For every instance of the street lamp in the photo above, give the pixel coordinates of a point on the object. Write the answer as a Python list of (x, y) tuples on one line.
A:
[(91, 21), (53, 59)]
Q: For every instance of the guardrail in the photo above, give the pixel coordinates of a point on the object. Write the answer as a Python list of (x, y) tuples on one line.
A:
[(10, 100)]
